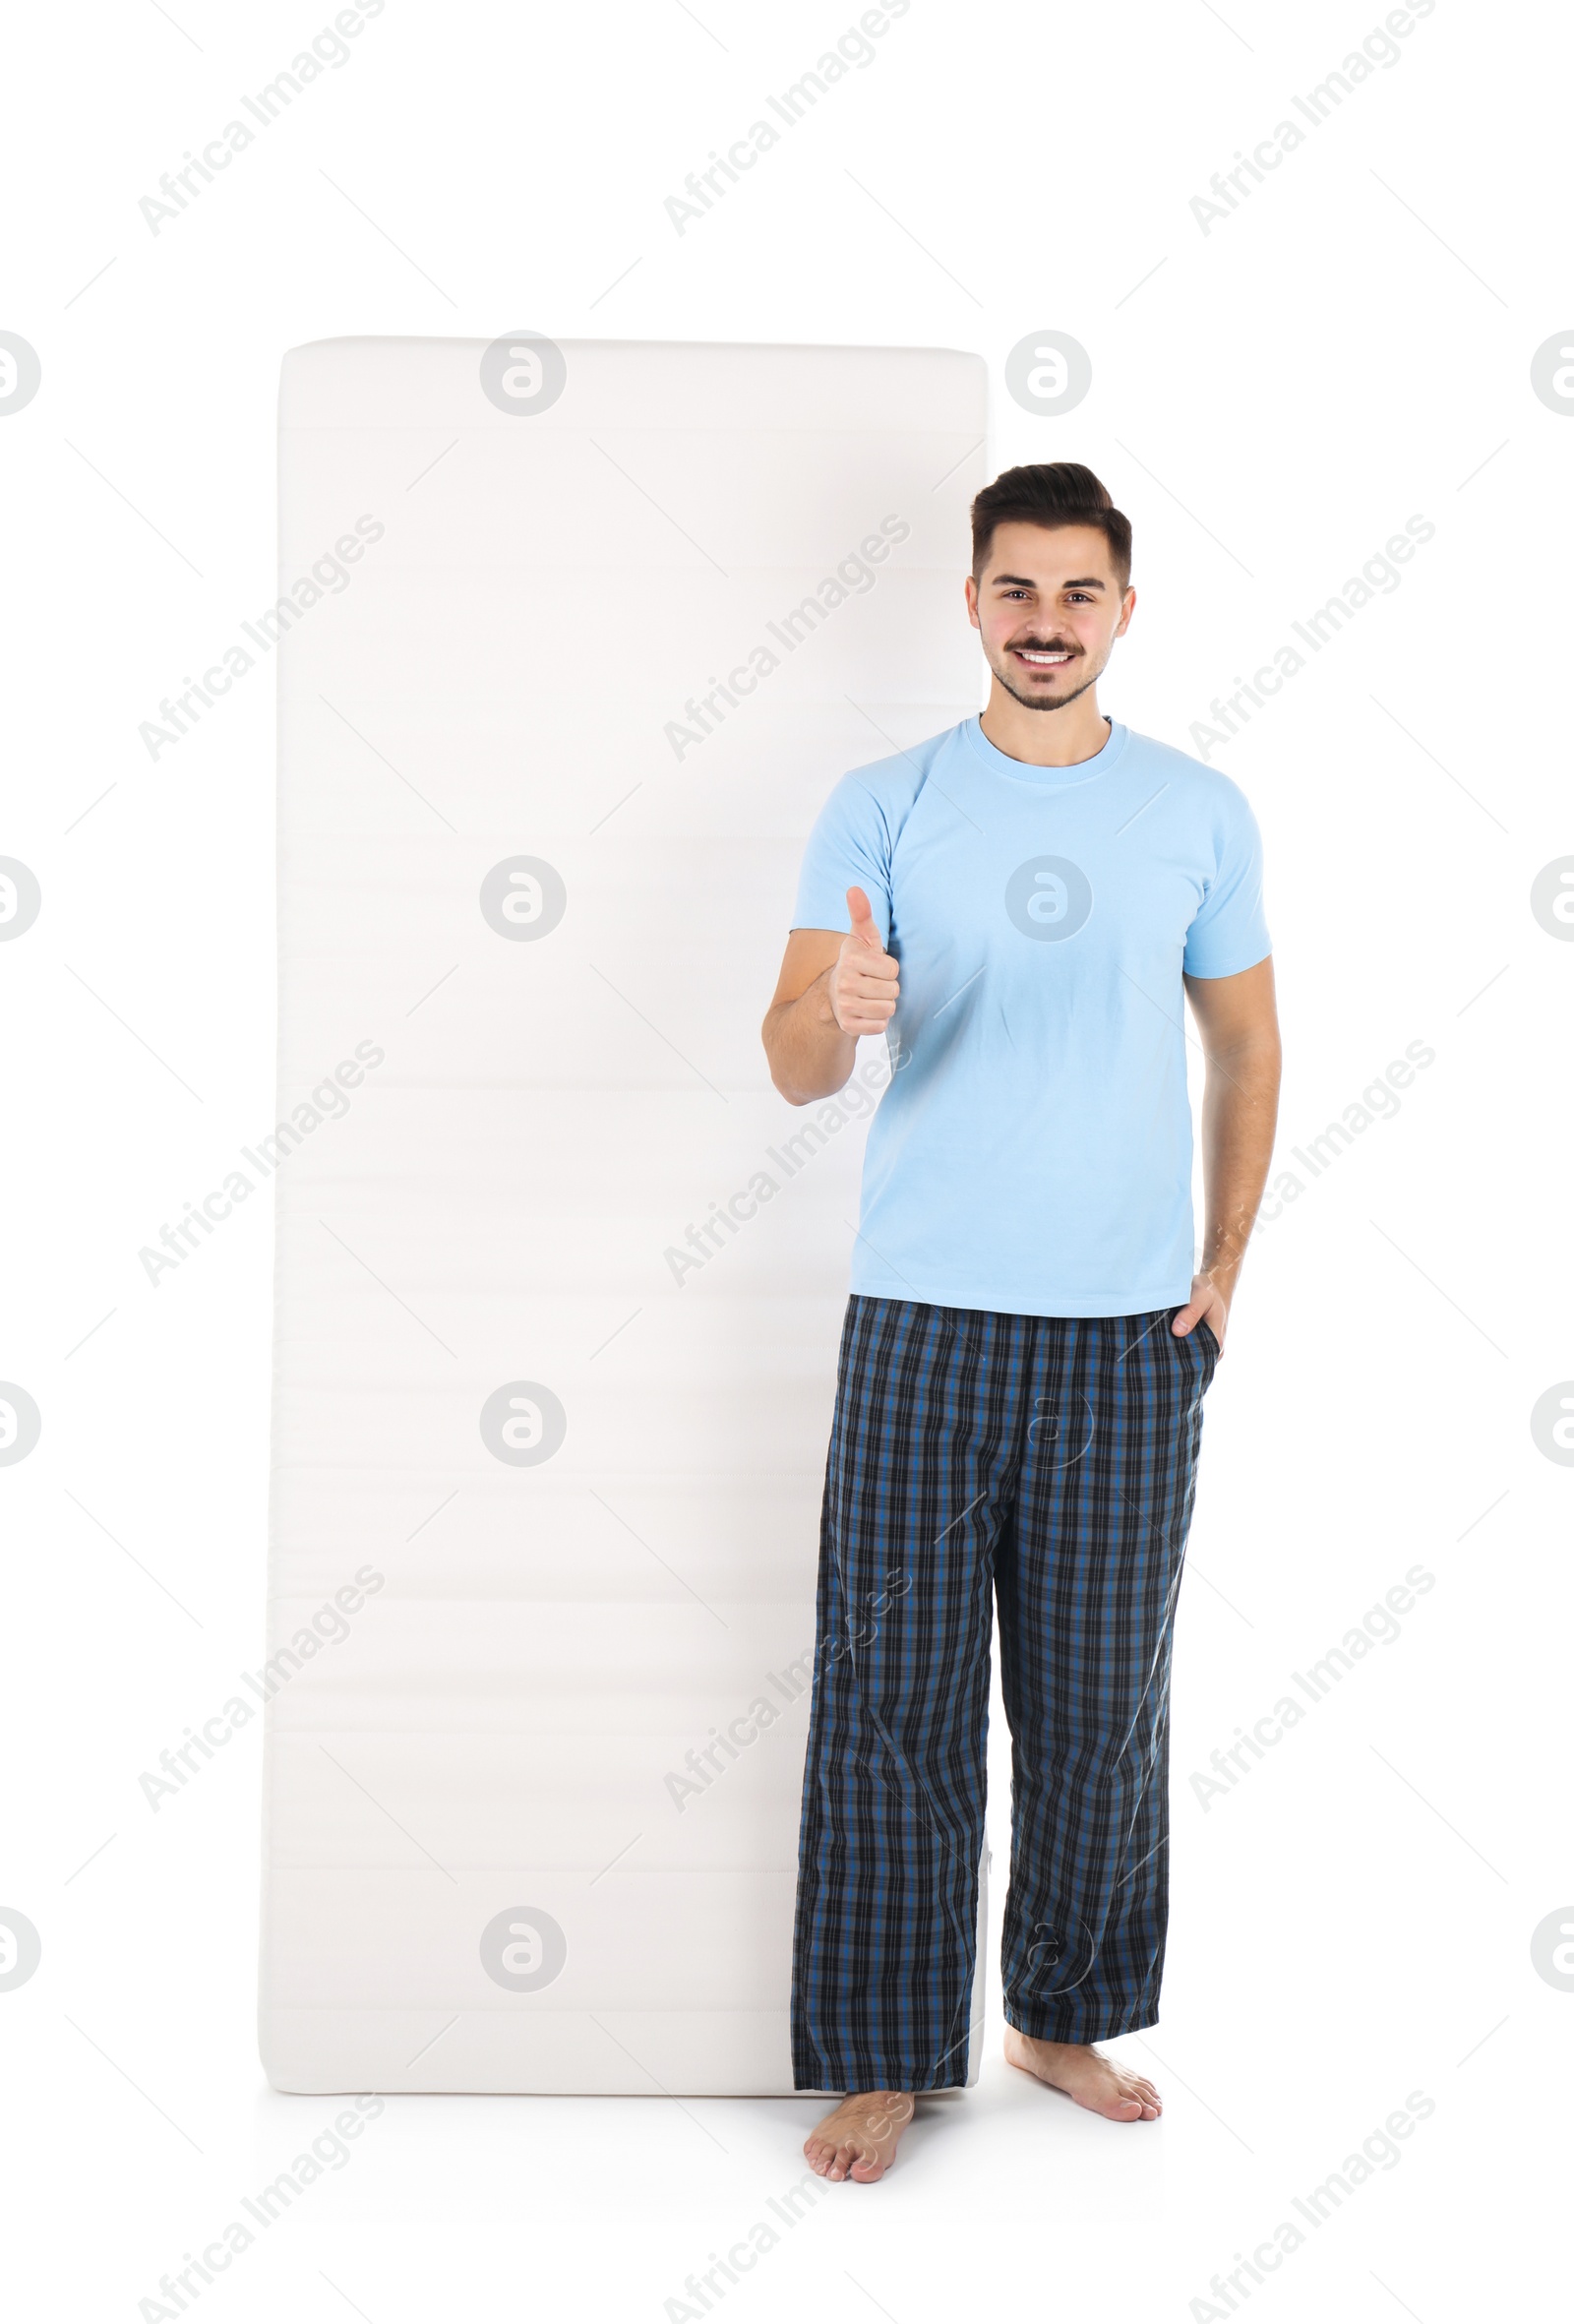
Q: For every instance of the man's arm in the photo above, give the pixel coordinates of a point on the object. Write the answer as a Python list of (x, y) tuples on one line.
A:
[(1240, 1028), (832, 988)]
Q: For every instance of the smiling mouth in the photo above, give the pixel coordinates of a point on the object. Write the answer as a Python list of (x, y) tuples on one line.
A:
[(1036, 657)]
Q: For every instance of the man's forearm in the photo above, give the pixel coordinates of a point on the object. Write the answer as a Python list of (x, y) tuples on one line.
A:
[(809, 1052), (1240, 1110)]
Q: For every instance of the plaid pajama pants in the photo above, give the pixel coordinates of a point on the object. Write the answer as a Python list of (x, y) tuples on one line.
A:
[(1053, 1460)]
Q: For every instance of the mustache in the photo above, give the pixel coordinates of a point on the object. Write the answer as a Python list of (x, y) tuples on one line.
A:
[(1044, 645)]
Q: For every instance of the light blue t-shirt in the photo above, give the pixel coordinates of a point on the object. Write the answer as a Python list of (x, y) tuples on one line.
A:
[(1032, 1154)]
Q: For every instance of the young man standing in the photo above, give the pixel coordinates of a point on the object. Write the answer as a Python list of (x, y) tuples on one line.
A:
[(1017, 905)]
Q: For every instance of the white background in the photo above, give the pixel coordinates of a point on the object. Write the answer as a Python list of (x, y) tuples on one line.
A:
[(1271, 399)]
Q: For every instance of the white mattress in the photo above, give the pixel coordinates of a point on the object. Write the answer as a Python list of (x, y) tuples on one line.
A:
[(495, 1740)]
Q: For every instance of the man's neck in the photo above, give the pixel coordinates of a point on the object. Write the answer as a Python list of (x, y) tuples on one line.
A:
[(1045, 738)]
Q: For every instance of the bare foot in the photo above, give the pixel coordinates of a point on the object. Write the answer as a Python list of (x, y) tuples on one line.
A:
[(858, 2140), (1085, 2074)]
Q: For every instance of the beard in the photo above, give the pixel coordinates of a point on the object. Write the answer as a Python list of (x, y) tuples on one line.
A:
[(1049, 702)]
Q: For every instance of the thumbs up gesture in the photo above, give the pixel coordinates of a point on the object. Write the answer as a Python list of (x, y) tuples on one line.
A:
[(864, 977)]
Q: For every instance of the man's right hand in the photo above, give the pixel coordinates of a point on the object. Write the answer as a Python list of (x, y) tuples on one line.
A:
[(862, 985)]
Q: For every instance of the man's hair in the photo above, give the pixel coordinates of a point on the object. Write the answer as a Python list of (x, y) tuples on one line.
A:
[(1051, 493)]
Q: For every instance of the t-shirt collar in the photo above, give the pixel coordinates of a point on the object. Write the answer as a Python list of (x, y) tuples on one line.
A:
[(1082, 771)]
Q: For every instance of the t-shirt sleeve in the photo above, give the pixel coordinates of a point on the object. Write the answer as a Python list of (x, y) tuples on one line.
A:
[(1230, 931), (849, 846)]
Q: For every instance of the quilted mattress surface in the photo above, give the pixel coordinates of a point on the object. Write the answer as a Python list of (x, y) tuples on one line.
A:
[(572, 641)]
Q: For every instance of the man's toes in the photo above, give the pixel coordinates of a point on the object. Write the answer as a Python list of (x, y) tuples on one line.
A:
[(868, 2167)]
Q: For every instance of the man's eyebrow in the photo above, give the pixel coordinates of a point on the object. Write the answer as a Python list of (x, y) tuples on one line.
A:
[(1021, 580)]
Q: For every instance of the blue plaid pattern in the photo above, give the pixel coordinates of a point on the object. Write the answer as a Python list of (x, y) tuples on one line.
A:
[(1051, 1460)]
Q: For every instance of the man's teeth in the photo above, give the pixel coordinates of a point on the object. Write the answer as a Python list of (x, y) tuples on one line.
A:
[(1029, 655)]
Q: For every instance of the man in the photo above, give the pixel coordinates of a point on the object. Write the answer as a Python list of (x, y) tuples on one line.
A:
[(1016, 907)]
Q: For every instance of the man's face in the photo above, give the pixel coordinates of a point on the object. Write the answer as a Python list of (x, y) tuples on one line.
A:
[(1047, 608)]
